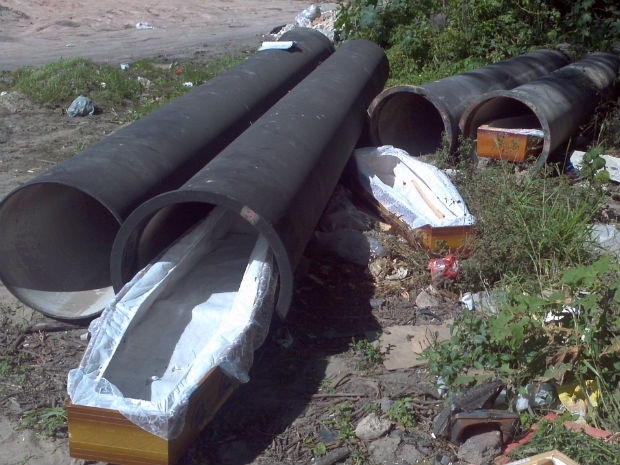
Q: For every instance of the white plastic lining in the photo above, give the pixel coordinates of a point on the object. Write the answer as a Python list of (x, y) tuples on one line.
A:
[(207, 302), (416, 192)]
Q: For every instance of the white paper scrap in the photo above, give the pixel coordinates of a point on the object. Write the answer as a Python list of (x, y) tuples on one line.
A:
[(280, 45)]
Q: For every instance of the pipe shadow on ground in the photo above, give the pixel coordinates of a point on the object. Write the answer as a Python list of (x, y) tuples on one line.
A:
[(330, 309)]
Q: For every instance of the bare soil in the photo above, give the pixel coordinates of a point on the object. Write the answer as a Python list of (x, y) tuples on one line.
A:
[(306, 371), (40, 31)]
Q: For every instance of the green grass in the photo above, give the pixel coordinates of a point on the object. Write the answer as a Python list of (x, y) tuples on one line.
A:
[(578, 446), (47, 421), (369, 354), (529, 229), (134, 92)]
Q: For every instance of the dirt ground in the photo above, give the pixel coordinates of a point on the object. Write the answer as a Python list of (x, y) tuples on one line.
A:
[(36, 32), (306, 371)]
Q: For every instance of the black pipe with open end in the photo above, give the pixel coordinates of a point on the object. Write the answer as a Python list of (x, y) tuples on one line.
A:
[(417, 118), (558, 103), (277, 176), (56, 231)]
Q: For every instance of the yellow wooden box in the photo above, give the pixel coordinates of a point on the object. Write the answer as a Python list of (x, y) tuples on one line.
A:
[(105, 435), (435, 239), (438, 239), (511, 144)]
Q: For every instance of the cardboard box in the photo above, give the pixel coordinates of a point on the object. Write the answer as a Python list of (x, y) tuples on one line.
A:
[(105, 435), (433, 238), (498, 140)]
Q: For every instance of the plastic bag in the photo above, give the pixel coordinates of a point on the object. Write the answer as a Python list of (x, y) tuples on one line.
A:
[(444, 268), (305, 18), (81, 106)]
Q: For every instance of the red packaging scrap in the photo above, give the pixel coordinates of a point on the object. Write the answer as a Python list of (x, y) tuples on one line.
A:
[(444, 268)]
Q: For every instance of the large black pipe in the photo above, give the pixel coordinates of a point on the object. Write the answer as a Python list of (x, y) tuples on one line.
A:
[(416, 118), (278, 175), (56, 231), (558, 103)]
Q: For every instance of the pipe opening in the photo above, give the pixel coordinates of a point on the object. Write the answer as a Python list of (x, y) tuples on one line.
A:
[(501, 112), (409, 121), (158, 224), (154, 233), (160, 231), (55, 244)]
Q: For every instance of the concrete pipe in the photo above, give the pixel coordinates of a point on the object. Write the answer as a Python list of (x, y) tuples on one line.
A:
[(416, 118), (277, 177), (56, 231), (557, 103)]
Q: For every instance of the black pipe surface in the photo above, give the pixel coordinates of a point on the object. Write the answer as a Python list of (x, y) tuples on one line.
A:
[(56, 231), (416, 118), (557, 103), (278, 175)]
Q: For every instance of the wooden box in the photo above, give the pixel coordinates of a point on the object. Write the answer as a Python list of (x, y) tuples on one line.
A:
[(553, 457), (105, 435), (172, 346), (511, 144), (433, 238), (451, 238)]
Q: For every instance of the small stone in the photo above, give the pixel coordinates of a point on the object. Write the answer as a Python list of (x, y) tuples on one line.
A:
[(481, 448), (409, 454), (372, 427), (385, 403), (384, 450), (428, 299), (441, 460)]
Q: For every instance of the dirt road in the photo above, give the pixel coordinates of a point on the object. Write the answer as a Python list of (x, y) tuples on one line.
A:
[(40, 31)]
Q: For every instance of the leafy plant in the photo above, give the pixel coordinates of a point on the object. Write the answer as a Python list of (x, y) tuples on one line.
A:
[(429, 33), (320, 449), (370, 354), (580, 447), (593, 166), (341, 419), (572, 333), (402, 412), (47, 421)]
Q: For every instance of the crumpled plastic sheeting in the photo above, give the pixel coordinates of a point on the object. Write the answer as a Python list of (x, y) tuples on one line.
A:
[(81, 106), (417, 193), (207, 302), (305, 18)]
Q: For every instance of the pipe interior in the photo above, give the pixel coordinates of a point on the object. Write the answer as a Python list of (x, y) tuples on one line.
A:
[(410, 122), (159, 231), (55, 244), (147, 235), (504, 112), (191, 305)]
